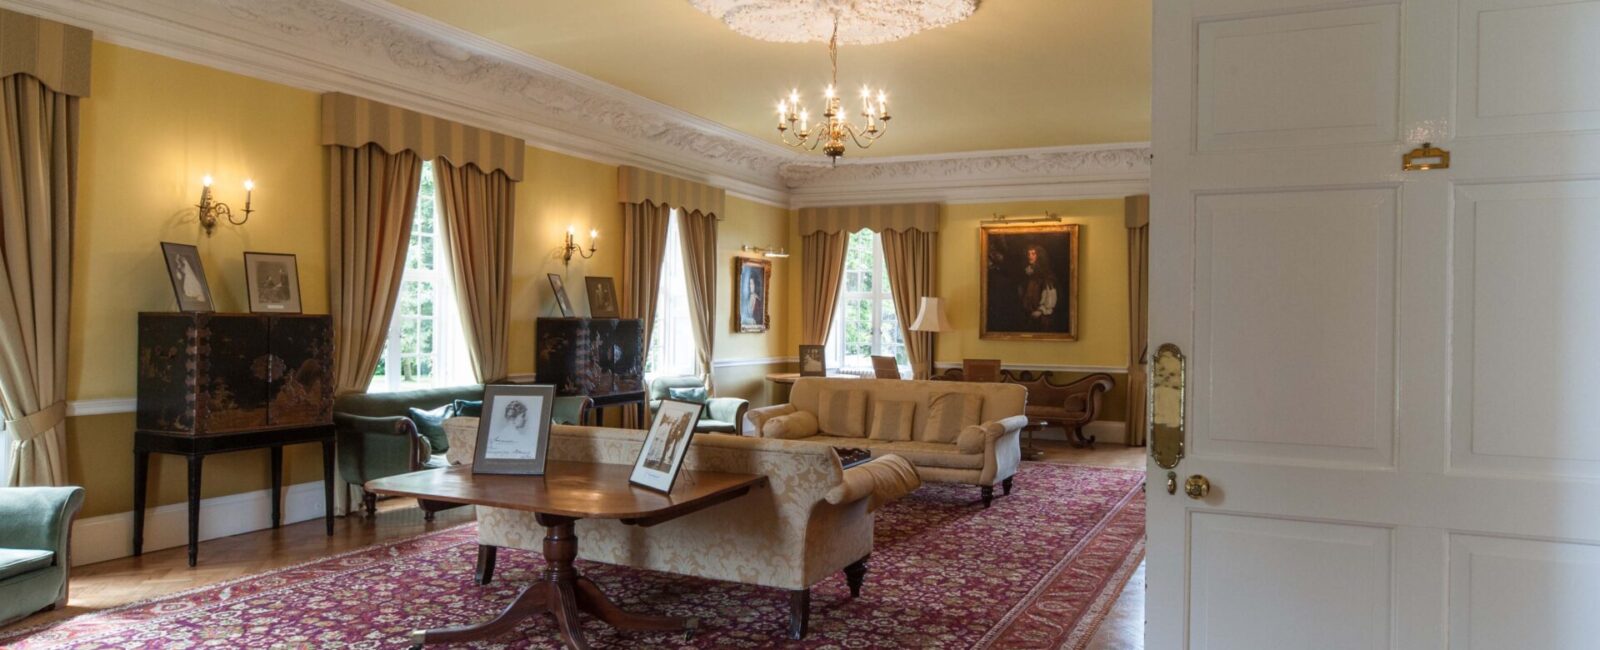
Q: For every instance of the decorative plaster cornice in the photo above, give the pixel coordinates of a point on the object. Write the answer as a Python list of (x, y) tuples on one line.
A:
[(1019, 173)]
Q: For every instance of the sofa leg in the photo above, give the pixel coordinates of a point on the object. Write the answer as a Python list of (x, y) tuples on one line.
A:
[(988, 495), (485, 569), (369, 503), (799, 613), (1005, 486), (855, 574)]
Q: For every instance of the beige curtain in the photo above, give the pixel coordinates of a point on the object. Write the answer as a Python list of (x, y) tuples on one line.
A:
[(699, 233), (1138, 222), (644, 244), (479, 213), (911, 257), (371, 197), (38, 204), (821, 271)]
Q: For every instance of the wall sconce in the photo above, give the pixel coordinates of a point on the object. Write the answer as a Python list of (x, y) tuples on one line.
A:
[(210, 211), (572, 246), (773, 252)]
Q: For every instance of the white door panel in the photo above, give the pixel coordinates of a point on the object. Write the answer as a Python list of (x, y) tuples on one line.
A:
[(1511, 83), (1492, 579)]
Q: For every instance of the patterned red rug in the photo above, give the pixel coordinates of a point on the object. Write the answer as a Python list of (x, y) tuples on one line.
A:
[(1038, 570)]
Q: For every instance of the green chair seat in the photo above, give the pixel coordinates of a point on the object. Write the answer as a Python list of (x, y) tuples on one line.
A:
[(17, 561), (716, 426), (436, 461)]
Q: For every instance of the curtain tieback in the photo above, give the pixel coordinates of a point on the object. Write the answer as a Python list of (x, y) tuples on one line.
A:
[(37, 423)]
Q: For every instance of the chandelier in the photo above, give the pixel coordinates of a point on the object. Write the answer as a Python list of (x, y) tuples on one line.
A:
[(831, 132)]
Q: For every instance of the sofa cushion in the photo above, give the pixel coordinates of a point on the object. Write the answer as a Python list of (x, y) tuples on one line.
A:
[(695, 394), (799, 424), (716, 426), (842, 412), (920, 454), (892, 419), (430, 423), (948, 414), (972, 438), (17, 561)]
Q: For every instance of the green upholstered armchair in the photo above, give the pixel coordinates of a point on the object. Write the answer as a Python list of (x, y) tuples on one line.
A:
[(721, 414), (35, 524)]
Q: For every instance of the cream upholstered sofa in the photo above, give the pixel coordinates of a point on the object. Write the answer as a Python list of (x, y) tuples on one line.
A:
[(813, 519), (948, 442)]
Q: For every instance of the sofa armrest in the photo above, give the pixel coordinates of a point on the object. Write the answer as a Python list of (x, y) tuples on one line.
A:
[(39, 518), (880, 480), (728, 409), (375, 447), (1011, 424), (757, 418)]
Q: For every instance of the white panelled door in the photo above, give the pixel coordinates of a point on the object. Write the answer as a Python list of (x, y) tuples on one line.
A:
[(1393, 377)]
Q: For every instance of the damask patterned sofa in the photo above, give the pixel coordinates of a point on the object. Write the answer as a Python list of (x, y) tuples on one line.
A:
[(813, 519), (952, 432)]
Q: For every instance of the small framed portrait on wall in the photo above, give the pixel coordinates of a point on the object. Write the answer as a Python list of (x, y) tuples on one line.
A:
[(1029, 282), (664, 447), (562, 301), (751, 278), (602, 297), (273, 283), (188, 279), (514, 430)]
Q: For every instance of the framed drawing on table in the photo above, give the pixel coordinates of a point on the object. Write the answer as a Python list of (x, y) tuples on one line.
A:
[(514, 430), (664, 447)]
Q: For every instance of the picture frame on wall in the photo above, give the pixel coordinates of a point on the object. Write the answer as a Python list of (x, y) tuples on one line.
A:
[(1029, 282), (562, 301), (752, 278), (661, 458), (602, 297), (813, 361), (188, 278), (272, 282), (514, 430)]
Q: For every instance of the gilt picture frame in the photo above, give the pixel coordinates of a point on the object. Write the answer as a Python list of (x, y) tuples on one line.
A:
[(752, 278), (1029, 282)]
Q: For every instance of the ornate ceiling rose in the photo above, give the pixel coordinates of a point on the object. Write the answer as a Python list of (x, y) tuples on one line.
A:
[(861, 22)]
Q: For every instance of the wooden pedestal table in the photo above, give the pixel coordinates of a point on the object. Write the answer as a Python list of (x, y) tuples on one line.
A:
[(567, 492)]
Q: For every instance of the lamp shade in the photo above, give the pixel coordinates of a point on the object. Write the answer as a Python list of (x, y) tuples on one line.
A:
[(930, 316)]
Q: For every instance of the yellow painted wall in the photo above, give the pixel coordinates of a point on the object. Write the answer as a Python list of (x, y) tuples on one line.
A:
[(756, 224)]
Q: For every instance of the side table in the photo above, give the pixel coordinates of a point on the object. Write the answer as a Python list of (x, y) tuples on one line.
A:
[(195, 448)]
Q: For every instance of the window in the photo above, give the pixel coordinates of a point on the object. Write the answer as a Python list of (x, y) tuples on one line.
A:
[(672, 351), (5, 454), (865, 323), (426, 346)]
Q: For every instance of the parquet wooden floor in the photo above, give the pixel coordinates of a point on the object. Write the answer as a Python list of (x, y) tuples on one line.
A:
[(159, 573)]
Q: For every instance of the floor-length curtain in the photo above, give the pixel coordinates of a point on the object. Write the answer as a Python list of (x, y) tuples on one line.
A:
[(644, 245), (1138, 222), (911, 257), (479, 213), (371, 197), (821, 270), (699, 234), (38, 204)]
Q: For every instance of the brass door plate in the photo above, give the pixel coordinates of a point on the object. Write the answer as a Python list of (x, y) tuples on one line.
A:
[(1166, 405), (1424, 158)]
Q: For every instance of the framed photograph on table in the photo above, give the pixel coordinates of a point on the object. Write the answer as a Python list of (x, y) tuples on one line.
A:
[(602, 297), (514, 430), (813, 361), (664, 447), (1029, 283), (562, 300), (188, 279), (272, 281), (751, 277)]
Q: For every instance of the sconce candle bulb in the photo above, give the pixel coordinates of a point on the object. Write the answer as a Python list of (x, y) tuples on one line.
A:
[(572, 247)]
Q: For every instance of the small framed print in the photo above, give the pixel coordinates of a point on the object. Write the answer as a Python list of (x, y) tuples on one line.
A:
[(813, 361), (602, 297), (664, 447), (273, 283), (188, 279), (562, 300), (514, 430)]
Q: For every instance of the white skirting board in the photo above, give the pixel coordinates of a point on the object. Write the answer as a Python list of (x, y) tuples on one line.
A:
[(109, 537), (1103, 431)]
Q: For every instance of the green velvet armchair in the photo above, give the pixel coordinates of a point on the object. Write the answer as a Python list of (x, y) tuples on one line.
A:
[(721, 414), (378, 438), (35, 527)]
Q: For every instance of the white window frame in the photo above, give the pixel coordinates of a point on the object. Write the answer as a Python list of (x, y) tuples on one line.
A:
[(880, 297), (672, 351), (5, 455)]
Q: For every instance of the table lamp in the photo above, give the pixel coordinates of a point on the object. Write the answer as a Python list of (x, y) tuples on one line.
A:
[(931, 318)]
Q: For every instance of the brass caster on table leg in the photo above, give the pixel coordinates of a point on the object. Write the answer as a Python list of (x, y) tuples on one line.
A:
[(689, 628), (417, 638)]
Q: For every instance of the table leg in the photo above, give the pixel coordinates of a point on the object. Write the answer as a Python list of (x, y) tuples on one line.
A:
[(277, 486), (327, 485), (194, 507), (141, 483)]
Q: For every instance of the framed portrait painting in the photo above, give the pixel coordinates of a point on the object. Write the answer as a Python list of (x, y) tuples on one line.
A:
[(664, 447), (188, 279), (752, 277), (273, 283), (1029, 282), (514, 430), (562, 300), (602, 297)]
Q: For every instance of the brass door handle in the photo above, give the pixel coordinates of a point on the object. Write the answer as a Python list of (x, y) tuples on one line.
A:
[(1197, 487)]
